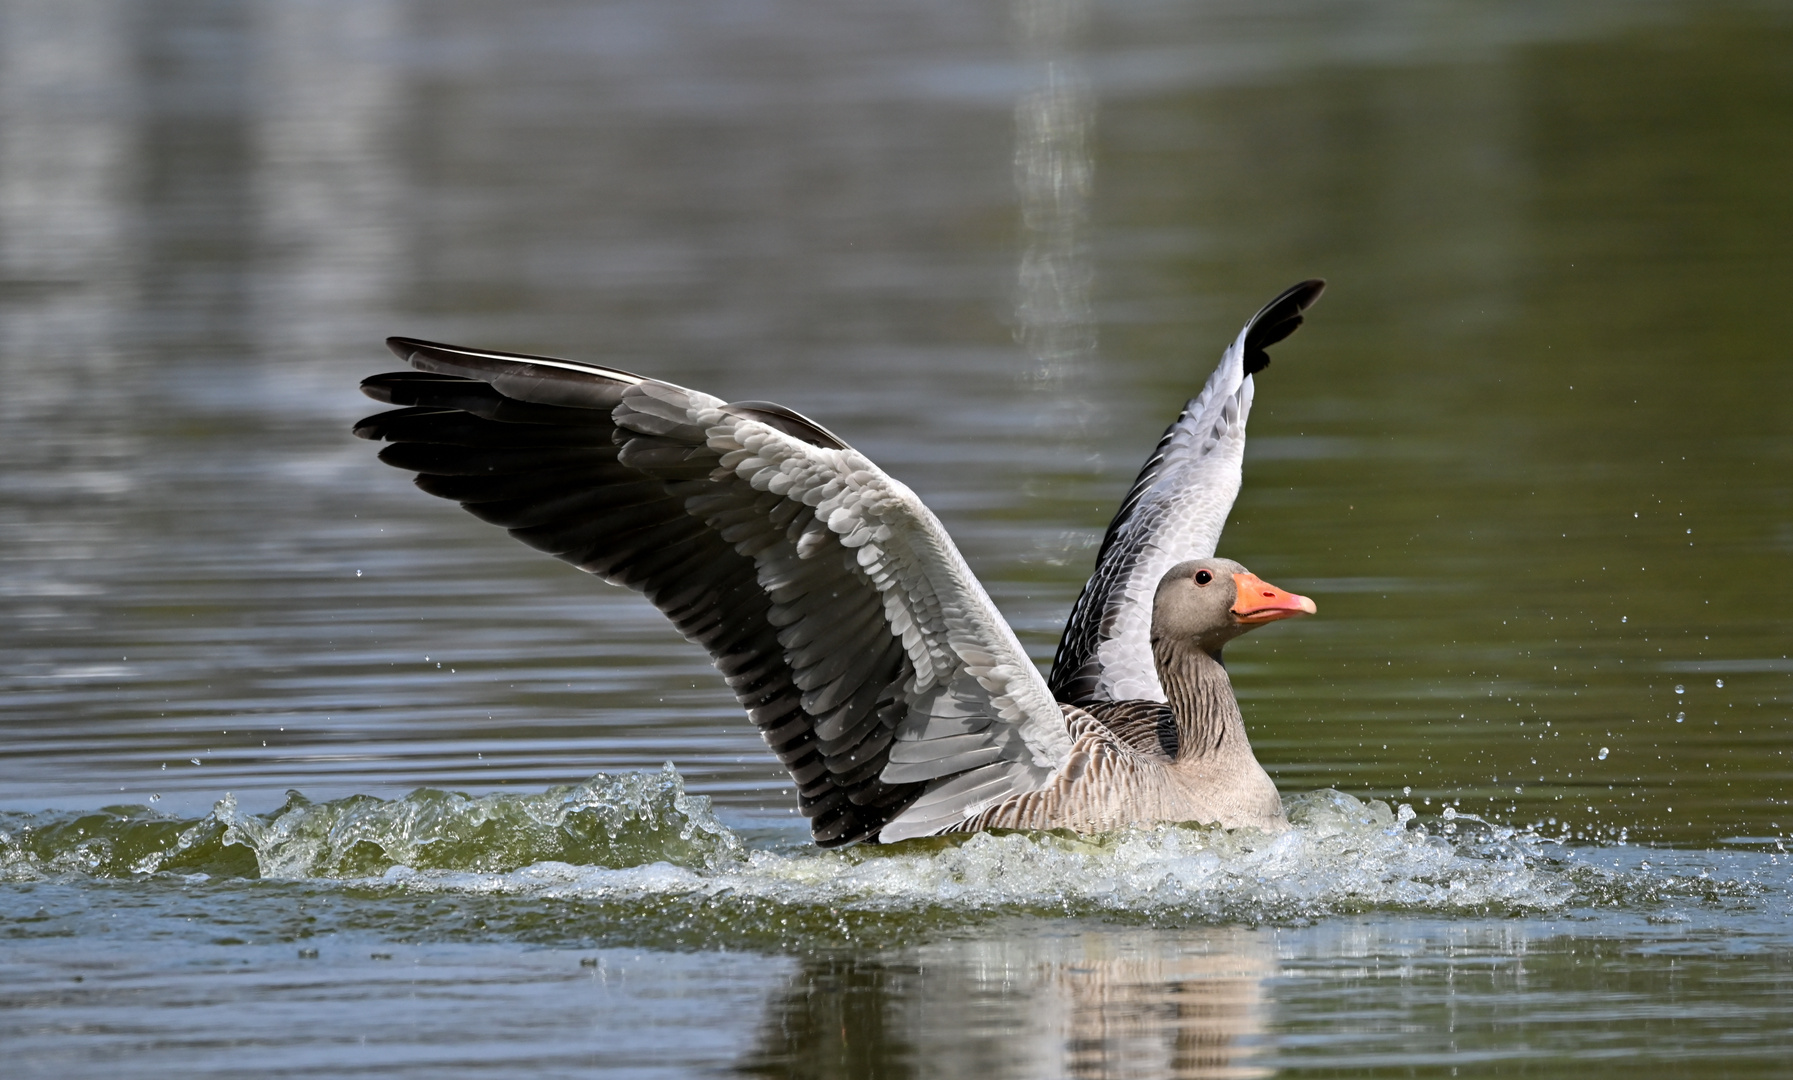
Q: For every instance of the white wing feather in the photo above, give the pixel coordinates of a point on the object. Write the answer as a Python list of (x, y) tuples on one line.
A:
[(932, 601), (1180, 517), (1174, 512)]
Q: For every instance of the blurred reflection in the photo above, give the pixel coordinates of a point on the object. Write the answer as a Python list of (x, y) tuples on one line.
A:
[(1055, 320), (184, 185), (190, 197), (838, 1018), (1126, 1003), (68, 254), (1054, 171), (328, 185), (65, 153), (65, 156)]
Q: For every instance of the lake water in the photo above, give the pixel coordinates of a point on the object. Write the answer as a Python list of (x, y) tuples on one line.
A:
[(307, 773)]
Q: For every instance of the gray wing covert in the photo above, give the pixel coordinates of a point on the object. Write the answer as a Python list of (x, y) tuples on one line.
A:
[(830, 599), (1174, 512)]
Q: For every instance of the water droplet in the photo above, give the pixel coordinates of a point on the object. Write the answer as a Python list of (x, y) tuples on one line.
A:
[(1624, 618), (1407, 791), (1720, 683), (155, 798), (1679, 689), (194, 760), (1603, 752), (1680, 716)]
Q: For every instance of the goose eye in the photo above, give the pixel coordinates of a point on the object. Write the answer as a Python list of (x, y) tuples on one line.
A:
[(1202, 577)]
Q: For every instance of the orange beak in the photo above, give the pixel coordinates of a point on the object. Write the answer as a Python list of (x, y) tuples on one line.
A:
[(1260, 602)]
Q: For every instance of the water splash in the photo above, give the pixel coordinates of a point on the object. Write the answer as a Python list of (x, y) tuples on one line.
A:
[(637, 851), (607, 821)]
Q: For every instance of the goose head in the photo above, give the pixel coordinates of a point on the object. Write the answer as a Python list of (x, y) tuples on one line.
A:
[(1209, 602)]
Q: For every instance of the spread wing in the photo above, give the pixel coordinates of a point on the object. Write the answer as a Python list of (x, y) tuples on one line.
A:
[(1174, 512), (833, 602)]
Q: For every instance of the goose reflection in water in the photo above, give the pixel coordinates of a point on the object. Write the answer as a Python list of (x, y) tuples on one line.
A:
[(1088, 1005)]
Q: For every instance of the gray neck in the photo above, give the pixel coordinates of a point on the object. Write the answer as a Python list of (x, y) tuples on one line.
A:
[(1201, 699)]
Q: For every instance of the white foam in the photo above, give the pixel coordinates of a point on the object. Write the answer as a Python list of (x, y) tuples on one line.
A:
[(1342, 855), (639, 841)]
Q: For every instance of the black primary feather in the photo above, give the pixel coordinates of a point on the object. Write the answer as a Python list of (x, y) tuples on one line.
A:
[(530, 444), (1277, 320)]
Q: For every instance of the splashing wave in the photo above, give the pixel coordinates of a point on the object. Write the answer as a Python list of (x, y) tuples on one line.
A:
[(608, 821), (640, 840)]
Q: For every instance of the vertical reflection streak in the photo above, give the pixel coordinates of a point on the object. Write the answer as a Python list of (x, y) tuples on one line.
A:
[(68, 254), (1055, 324), (328, 184), (1054, 176), (65, 155)]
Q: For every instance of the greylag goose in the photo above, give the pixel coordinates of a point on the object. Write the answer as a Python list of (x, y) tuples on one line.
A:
[(842, 616)]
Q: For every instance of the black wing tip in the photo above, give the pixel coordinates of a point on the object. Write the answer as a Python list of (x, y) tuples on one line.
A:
[(1304, 294), (1277, 320), (370, 428), (378, 387), (483, 365), (387, 385), (405, 348), (409, 348)]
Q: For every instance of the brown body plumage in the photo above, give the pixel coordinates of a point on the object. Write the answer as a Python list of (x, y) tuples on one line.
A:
[(1186, 760)]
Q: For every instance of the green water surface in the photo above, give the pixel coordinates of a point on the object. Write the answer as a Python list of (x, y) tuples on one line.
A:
[(1531, 455)]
